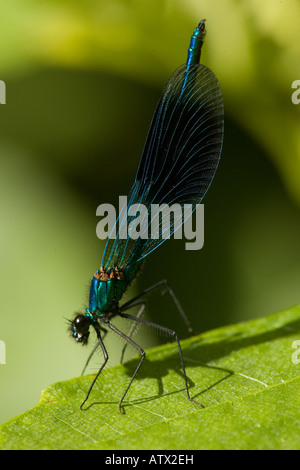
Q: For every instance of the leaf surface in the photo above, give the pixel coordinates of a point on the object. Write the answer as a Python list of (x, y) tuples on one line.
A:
[(246, 376)]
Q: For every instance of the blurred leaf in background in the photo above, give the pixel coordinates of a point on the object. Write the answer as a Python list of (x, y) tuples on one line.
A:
[(82, 81)]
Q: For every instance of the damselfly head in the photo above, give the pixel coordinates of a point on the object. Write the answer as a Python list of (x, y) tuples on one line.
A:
[(80, 329)]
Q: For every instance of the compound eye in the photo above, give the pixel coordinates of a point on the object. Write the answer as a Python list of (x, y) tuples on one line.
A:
[(81, 324), (80, 329)]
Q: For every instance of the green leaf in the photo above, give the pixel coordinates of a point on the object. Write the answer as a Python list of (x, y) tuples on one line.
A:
[(246, 376)]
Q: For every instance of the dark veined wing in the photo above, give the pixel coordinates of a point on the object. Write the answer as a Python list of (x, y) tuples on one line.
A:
[(179, 160)]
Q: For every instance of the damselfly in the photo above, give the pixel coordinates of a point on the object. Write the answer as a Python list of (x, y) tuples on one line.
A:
[(178, 164)]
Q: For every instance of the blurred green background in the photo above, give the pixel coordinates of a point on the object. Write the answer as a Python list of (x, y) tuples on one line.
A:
[(82, 81)]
